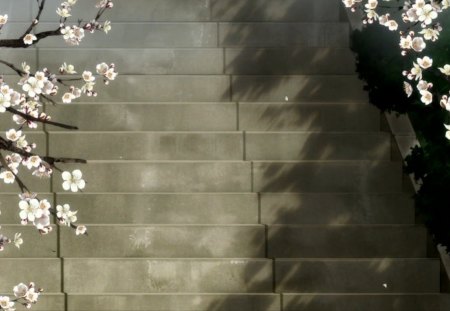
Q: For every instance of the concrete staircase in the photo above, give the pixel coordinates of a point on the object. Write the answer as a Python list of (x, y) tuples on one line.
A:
[(234, 165)]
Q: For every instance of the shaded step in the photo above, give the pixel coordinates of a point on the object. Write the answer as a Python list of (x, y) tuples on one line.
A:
[(139, 176), (16, 56), (284, 35), (148, 145), (168, 275), (368, 302), (9, 206), (173, 302), (130, 61), (140, 10), (173, 208), (333, 208), (147, 117), (45, 272), (357, 275), (351, 117), (142, 35), (34, 244), (266, 10), (281, 61), (317, 146), (339, 241), (331, 88), (164, 88), (166, 241), (327, 176)]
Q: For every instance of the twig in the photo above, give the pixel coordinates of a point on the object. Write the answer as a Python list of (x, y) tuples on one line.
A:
[(31, 118)]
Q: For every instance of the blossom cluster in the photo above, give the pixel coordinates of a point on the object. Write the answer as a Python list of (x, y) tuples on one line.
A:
[(25, 295), (420, 20)]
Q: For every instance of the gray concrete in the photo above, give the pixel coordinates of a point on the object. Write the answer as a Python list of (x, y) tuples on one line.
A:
[(147, 117), (168, 275), (317, 146), (339, 241), (166, 241), (357, 275), (304, 116), (322, 176), (142, 35), (45, 272), (314, 88), (284, 35), (369, 302), (281, 61), (121, 176), (148, 145), (34, 245), (180, 302), (336, 208), (138, 61), (164, 208)]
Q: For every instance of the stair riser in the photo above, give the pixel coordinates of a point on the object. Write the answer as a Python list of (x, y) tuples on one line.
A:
[(211, 208), (346, 242), (293, 302), (148, 146), (166, 242), (168, 276), (357, 276), (147, 117), (319, 117), (336, 209)]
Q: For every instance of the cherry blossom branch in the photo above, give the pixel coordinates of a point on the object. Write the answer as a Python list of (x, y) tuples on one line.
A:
[(45, 121), (19, 43), (20, 183), (36, 20)]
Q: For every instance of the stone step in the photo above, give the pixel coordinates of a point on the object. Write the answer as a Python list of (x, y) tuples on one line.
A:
[(327, 176), (34, 244), (220, 146), (147, 145), (327, 88), (199, 61), (282, 61), (165, 88), (45, 272), (266, 10), (186, 176), (357, 275), (33, 183), (207, 34), (163, 208), (336, 209), (316, 146), (319, 117), (146, 117), (209, 10), (167, 275), (9, 206), (367, 302), (166, 241), (173, 302), (143, 35), (17, 10), (338, 241), (16, 56), (334, 35)]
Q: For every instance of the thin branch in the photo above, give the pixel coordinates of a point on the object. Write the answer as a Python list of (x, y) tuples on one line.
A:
[(20, 183), (10, 65), (36, 20), (31, 118)]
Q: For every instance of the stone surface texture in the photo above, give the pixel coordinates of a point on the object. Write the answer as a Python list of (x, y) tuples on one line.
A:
[(234, 165)]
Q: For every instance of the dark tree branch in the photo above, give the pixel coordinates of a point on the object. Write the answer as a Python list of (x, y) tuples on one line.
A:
[(18, 43), (36, 20), (31, 118)]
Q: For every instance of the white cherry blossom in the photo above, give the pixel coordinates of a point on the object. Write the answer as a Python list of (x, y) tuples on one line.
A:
[(29, 39), (73, 181)]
